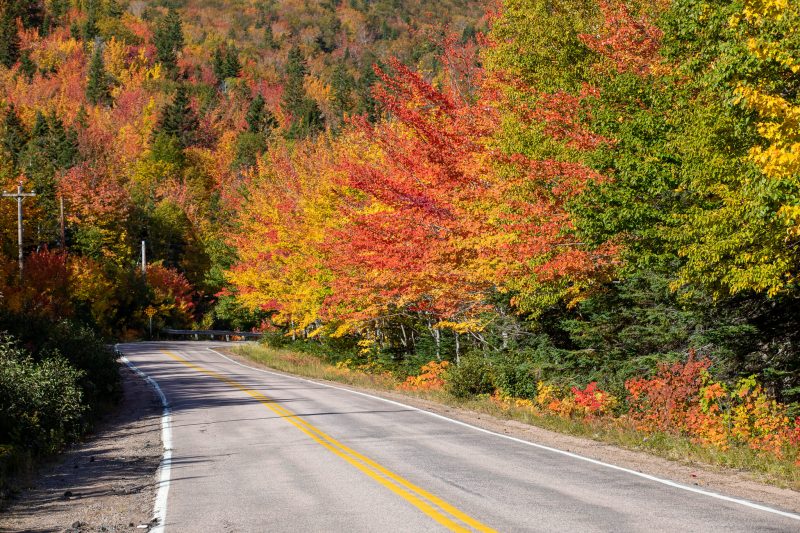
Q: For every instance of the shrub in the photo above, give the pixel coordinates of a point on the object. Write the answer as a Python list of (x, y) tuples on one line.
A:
[(473, 375), (431, 377), (87, 352), (40, 402), (514, 375)]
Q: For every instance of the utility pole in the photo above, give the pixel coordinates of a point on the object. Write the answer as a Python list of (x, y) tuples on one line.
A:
[(19, 195), (63, 239)]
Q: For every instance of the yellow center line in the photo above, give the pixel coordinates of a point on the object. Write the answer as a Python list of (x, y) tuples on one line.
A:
[(417, 496)]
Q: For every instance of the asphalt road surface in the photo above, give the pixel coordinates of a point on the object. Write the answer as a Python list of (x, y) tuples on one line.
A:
[(254, 451)]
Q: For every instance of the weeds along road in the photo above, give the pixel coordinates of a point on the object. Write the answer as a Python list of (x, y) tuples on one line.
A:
[(258, 451)]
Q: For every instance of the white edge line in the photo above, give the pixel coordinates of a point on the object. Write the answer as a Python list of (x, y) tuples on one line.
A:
[(165, 468), (667, 482)]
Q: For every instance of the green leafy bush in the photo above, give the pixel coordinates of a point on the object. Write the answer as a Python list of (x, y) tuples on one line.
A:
[(515, 375), (473, 375), (86, 352), (40, 402)]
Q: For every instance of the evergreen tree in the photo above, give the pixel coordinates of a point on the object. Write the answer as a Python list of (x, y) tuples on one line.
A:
[(97, 87), (269, 38), (90, 30), (226, 63), (114, 9), (233, 68), (27, 66), (82, 118), (15, 136), (58, 9), (62, 143), (306, 116), (179, 119), (168, 39), (9, 40), (30, 12), (367, 105), (308, 122), (342, 85), (294, 92), (37, 163), (259, 118), (218, 64)]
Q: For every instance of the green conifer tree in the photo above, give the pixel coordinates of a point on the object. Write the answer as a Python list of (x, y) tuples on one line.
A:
[(179, 119), (27, 66), (114, 9), (90, 30), (218, 64), (37, 163), (15, 136), (342, 86), (168, 39), (259, 118), (9, 40), (233, 68), (367, 105), (98, 90), (307, 119), (294, 92), (62, 143), (269, 37)]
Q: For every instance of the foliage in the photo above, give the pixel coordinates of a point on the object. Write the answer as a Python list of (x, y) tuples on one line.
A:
[(471, 376), (40, 402), (683, 398), (431, 377), (98, 90)]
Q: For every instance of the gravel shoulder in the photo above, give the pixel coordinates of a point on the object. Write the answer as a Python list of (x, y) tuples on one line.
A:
[(725, 481), (107, 482)]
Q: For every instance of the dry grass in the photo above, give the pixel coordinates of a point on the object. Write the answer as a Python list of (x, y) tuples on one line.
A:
[(767, 469)]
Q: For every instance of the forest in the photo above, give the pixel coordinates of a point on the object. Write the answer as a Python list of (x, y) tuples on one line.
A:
[(591, 207)]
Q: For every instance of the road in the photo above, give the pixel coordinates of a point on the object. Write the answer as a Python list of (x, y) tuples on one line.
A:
[(254, 451)]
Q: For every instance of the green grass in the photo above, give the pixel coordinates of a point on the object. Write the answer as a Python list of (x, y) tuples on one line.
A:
[(763, 468)]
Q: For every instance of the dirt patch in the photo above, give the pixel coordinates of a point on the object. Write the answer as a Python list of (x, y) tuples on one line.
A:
[(719, 480), (107, 483)]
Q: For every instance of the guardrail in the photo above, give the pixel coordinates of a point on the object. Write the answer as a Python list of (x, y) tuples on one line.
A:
[(212, 333)]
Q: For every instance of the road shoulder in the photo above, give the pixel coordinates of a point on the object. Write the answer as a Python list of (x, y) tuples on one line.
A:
[(106, 483)]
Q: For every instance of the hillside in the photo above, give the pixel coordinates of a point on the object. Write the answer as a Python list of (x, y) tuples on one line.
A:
[(144, 116)]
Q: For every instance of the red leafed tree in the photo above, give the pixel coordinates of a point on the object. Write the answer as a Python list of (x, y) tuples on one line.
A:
[(413, 241), (440, 216), (629, 43), (46, 291), (173, 294)]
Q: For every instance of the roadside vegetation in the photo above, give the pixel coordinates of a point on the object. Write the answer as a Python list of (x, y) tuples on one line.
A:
[(56, 379)]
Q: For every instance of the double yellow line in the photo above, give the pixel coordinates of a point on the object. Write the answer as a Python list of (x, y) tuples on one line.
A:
[(433, 506)]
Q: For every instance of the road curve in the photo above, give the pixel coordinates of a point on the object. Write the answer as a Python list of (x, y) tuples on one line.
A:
[(254, 451)]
